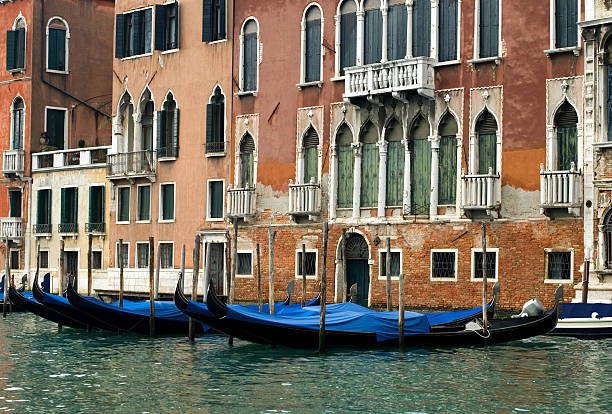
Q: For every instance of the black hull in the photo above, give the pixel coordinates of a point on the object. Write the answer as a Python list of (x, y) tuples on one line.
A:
[(42, 310)]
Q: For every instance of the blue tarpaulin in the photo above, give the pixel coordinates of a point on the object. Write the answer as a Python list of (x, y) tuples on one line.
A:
[(585, 310)]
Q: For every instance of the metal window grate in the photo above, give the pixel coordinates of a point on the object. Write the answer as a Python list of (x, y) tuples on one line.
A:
[(311, 263), (245, 261), (395, 264), (491, 259), (559, 265), (142, 255), (167, 255), (443, 265)]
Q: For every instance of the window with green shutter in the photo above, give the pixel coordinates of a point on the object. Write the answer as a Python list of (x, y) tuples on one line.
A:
[(123, 208), (215, 123), (447, 170), (313, 45), (372, 32), (486, 128), (69, 213), (420, 167), (168, 129), (167, 202), (250, 56), (96, 208), (421, 27), (348, 35), (55, 122), (14, 203), (566, 23), (489, 28), (144, 203), (215, 193), (167, 26), (133, 33), (213, 20), (397, 18), (43, 211), (17, 124), (369, 166), (247, 149), (15, 48), (395, 164), (566, 123), (447, 30), (346, 162), (56, 47), (310, 145)]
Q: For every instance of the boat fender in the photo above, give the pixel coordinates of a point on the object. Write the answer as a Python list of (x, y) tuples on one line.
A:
[(532, 307), (595, 315)]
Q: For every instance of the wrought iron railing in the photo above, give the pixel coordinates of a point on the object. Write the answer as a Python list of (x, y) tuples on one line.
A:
[(130, 164), (167, 152), (95, 227), (68, 227), (44, 228), (215, 147)]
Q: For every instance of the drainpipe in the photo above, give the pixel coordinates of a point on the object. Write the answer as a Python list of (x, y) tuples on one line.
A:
[(28, 233)]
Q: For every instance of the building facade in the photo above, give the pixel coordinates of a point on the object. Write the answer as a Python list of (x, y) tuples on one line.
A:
[(410, 122)]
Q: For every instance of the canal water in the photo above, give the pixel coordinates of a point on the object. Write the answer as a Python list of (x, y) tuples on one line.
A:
[(43, 371)]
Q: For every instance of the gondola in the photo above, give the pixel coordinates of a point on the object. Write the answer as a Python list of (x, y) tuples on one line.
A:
[(133, 316), (585, 320)]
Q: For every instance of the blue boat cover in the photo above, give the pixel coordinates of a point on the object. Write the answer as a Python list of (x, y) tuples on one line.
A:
[(445, 317), (163, 309), (28, 295), (585, 310)]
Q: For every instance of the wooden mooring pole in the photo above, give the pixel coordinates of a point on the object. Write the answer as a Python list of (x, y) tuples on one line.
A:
[(194, 284), (388, 273), (484, 276), (61, 269), (401, 311), (182, 269), (343, 287), (157, 269), (323, 297), (232, 286), (303, 274), (271, 235), (585, 275), (259, 298), (120, 273), (7, 276), (89, 263), (151, 286)]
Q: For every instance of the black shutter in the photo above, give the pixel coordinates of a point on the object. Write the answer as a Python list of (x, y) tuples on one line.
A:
[(137, 34), (222, 20), (175, 133), (210, 108), (566, 19), (348, 41), (119, 36), (20, 53), (160, 27), (313, 50), (52, 49), (250, 62), (11, 43), (161, 133), (147, 29), (207, 22), (60, 49), (448, 30), (489, 28)]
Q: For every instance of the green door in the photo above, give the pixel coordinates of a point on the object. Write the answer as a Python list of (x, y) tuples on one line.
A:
[(358, 271), (421, 176)]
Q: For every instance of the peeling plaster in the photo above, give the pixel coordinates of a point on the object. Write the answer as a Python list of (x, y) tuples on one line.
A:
[(518, 203)]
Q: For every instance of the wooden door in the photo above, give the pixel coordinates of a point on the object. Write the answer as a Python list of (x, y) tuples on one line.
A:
[(215, 267), (358, 271)]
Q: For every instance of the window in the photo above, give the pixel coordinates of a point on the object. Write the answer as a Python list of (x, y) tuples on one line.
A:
[(215, 199), (488, 30), (492, 258), (215, 123), (96, 259), (486, 128), (58, 36), (144, 203), (70, 205), (133, 33), (167, 26), (369, 166), (250, 55), (348, 35), (444, 264), (566, 125), (312, 46), (607, 235), (346, 161), (396, 263), (14, 260), (43, 260), (55, 126), (43, 211), (142, 255), (311, 264), (566, 23), (125, 255), (214, 21), (372, 42), (96, 209), (166, 251), (420, 166), (247, 149), (166, 206), (310, 148), (147, 126), (18, 124), (421, 31), (559, 266), (447, 167), (447, 30), (168, 129), (14, 203), (245, 264), (123, 204), (397, 18), (15, 47), (395, 164)]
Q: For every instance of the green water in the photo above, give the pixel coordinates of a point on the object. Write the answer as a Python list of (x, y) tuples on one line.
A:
[(43, 371)]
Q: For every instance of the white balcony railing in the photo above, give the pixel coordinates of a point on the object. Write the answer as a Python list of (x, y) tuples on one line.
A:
[(240, 202), (479, 191), (560, 189), (131, 164), (389, 77), (13, 162), (90, 157), (10, 227), (304, 199)]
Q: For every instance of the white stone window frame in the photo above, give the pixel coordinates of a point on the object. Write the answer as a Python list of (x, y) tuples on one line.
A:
[(303, 82), (473, 164), (117, 254), (23, 121), (243, 92), (136, 264), (119, 187), (551, 136), (473, 264), (138, 111), (457, 60), (18, 19), (138, 186), (66, 46), (161, 201), (333, 173), (382, 263), (18, 268), (120, 138), (101, 251), (553, 33), (178, 23), (477, 59), (171, 257), (299, 150), (59, 108), (245, 276), (225, 123), (240, 134), (152, 32), (559, 281), (170, 96), (209, 199), (443, 279), (297, 258), (45, 251)]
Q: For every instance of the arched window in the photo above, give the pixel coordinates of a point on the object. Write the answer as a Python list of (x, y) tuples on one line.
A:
[(17, 124), (310, 149), (346, 161), (447, 172), (247, 149), (395, 164), (58, 35), (372, 32), (312, 44), (421, 31), (566, 124), (168, 129), (369, 166), (15, 46), (215, 123), (397, 18), (486, 128), (147, 126), (250, 55), (348, 35), (420, 166)]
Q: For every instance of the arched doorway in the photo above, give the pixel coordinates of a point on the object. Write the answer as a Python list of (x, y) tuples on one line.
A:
[(357, 268)]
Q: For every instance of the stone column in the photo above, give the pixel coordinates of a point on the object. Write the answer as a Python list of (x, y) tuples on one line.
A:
[(303, 51), (357, 180), (117, 134), (333, 183), (473, 161), (409, 4), (360, 31), (382, 177), (385, 30), (407, 197), (459, 188), (435, 162), (601, 247), (551, 148), (137, 144), (434, 29)]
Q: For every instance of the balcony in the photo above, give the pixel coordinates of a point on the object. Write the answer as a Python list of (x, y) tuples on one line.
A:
[(130, 165), (240, 202), (304, 199), (480, 194), (11, 227), (396, 77), (13, 163), (95, 228), (69, 229), (42, 229), (92, 157), (560, 190)]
